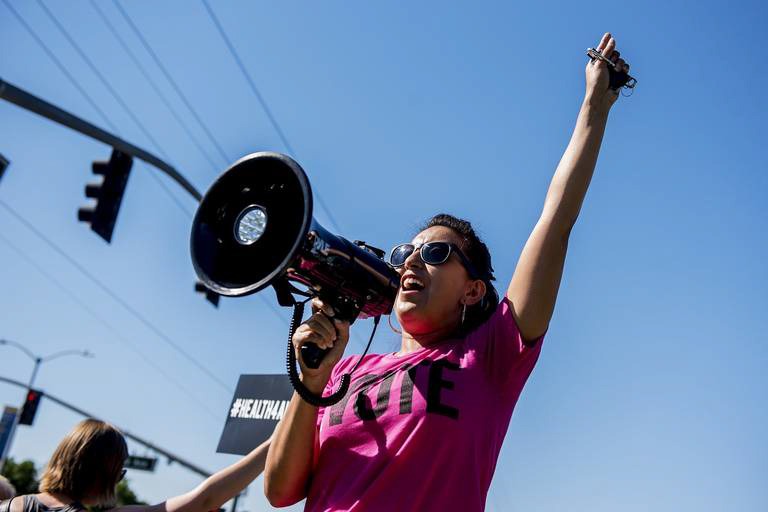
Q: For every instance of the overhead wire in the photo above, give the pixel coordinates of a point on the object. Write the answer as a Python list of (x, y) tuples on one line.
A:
[(58, 63), (170, 80), (116, 96), (262, 102), (77, 86), (108, 326), (122, 103), (125, 305), (153, 84), (179, 92), (104, 117), (270, 116)]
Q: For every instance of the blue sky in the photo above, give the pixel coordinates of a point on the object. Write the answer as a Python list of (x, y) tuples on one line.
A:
[(650, 391)]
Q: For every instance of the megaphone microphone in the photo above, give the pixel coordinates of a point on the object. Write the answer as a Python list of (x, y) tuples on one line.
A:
[(254, 228)]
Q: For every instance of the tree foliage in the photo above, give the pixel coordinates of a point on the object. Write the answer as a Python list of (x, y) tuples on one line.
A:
[(126, 496), (23, 475)]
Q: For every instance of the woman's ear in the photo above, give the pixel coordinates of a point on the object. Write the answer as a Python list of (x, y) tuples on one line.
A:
[(474, 292)]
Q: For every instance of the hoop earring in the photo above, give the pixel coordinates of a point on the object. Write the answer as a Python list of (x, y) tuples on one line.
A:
[(463, 313), (394, 329)]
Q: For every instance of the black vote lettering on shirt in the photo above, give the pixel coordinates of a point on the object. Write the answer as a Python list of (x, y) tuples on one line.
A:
[(436, 384), (437, 380), (337, 410)]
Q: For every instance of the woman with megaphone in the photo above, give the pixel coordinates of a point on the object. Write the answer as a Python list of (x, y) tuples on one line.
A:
[(421, 429)]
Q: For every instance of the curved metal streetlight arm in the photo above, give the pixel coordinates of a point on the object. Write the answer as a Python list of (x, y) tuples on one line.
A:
[(82, 353), (20, 347)]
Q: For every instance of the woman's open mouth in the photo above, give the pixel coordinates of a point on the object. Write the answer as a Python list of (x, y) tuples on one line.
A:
[(411, 284)]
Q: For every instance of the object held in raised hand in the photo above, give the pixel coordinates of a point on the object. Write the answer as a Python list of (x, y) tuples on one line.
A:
[(618, 78), (254, 228)]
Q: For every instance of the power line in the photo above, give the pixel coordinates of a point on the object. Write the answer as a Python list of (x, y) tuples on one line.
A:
[(248, 78), (59, 65), (116, 297), (271, 117), (170, 79), (122, 103), (262, 102), (77, 86), (101, 112), (106, 324), (154, 85), (178, 90), (114, 94)]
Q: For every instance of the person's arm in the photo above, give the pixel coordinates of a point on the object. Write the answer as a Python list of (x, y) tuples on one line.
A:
[(295, 441), (536, 279), (216, 489)]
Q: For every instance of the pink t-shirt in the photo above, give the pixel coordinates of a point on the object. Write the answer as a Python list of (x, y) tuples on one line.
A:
[(422, 431)]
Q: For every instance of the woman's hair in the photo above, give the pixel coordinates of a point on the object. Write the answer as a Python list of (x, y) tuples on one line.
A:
[(477, 253), (87, 463)]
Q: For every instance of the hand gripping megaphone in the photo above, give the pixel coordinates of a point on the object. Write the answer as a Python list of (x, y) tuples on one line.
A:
[(254, 228)]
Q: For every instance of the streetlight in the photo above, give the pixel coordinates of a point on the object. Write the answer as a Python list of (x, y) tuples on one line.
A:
[(38, 361)]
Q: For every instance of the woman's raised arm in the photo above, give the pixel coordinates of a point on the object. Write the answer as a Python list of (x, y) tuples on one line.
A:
[(216, 489), (536, 280)]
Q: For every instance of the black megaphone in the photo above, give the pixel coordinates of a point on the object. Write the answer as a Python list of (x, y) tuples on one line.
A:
[(254, 228)]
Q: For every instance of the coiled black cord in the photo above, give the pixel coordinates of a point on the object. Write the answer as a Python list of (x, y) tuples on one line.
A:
[(307, 395)]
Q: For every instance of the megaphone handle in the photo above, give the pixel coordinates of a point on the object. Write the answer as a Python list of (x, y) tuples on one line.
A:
[(312, 355), (307, 395)]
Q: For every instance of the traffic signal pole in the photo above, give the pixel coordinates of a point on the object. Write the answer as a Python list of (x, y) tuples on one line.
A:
[(15, 423), (41, 107), (38, 360), (165, 453)]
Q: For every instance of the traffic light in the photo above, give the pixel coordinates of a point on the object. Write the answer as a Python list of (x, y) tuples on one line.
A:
[(210, 295), (29, 409), (3, 165), (108, 194)]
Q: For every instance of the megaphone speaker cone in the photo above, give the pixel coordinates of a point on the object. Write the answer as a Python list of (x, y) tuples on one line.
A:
[(251, 223)]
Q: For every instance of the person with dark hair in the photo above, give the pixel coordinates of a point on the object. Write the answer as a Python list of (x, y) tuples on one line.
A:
[(421, 429), (88, 463)]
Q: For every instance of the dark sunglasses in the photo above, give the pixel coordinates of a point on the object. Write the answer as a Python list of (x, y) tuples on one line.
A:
[(432, 253), (122, 475)]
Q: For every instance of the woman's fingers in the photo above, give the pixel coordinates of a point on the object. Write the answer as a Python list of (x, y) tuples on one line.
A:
[(317, 329), (319, 305), (322, 325), (603, 42), (342, 329), (609, 47)]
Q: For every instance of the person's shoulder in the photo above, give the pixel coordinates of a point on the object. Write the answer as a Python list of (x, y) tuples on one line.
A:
[(14, 504), (501, 326)]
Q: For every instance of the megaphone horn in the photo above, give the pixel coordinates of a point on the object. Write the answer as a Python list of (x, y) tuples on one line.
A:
[(254, 228)]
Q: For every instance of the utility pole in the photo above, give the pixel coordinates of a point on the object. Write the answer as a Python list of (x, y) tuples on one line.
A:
[(38, 361)]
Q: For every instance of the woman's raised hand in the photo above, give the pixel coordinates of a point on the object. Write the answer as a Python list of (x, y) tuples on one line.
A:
[(598, 91)]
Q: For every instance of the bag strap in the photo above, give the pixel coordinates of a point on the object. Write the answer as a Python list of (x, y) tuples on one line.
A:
[(5, 505)]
